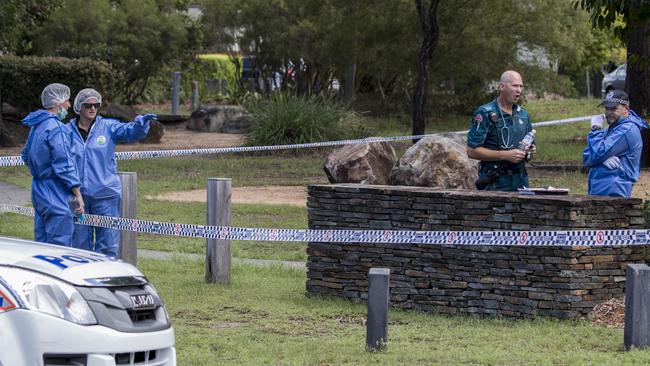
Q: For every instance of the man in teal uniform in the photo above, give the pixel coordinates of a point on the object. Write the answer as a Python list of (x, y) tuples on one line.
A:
[(494, 136)]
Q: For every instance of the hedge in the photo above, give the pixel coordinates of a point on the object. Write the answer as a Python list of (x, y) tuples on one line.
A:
[(23, 78)]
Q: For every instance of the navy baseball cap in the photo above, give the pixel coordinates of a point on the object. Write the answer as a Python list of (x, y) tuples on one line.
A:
[(614, 98)]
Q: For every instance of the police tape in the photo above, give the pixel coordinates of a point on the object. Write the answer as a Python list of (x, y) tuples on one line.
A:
[(491, 238), (7, 161)]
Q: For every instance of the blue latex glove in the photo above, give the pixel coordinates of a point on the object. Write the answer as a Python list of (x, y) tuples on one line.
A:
[(146, 118), (612, 163)]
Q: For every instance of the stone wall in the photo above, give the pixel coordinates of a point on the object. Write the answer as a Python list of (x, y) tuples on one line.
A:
[(514, 281)]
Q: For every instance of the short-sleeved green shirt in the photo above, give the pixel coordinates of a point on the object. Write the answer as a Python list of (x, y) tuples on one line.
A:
[(496, 130)]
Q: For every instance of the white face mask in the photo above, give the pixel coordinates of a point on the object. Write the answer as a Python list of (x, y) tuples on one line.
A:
[(62, 113)]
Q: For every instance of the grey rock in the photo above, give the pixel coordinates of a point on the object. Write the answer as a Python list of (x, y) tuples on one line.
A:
[(362, 163), (436, 161), (219, 118)]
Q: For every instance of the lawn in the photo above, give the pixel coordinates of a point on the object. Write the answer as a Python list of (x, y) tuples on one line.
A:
[(556, 144), (264, 317)]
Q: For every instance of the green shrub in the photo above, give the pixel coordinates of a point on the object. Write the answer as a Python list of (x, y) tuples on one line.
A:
[(287, 119), (22, 79), (204, 67)]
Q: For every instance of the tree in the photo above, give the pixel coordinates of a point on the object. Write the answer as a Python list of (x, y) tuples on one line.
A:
[(18, 21), (634, 30), (137, 37), (429, 23)]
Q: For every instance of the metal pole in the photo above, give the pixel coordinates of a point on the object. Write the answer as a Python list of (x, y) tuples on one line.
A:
[(128, 209), (378, 297), (217, 255), (637, 306), (195, 96), (176, 86)]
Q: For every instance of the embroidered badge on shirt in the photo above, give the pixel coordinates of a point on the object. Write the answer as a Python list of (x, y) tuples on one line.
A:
[(493, 117), (478, 118), (101, 140)]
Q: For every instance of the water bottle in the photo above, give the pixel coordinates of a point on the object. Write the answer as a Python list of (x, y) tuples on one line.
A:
[(74, 205), (525, 143)]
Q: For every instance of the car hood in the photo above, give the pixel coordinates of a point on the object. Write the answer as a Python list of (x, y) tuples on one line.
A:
[(75, 266)]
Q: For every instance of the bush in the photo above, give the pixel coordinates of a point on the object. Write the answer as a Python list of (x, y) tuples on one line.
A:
[(204, 67), (22, 79), (287, 119)]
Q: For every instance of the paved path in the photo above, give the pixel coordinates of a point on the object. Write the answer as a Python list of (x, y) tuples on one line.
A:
[(14, 195), (154, 254)]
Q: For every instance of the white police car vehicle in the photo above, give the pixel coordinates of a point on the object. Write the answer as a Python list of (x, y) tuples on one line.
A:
[(63, 306)]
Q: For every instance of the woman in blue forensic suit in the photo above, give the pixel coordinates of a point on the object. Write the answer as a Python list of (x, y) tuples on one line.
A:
[(48, 158), (93, 148)]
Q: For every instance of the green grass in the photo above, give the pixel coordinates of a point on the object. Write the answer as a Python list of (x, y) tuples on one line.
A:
[(243, 215), (264, 318), (558, 144), (157, 176)]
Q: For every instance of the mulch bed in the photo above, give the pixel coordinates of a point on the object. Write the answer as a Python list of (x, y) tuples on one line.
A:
[(610, 313)]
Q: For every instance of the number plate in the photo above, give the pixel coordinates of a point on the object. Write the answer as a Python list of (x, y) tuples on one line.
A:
[(143, 301)]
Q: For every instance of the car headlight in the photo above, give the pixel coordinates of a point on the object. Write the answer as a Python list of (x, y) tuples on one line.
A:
[(47, 295)]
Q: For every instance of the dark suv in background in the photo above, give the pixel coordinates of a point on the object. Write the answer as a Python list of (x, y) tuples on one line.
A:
[(614, 80)]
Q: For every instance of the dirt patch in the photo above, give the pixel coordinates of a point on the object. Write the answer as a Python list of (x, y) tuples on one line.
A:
[(642, 187), (292, 195), (176, 137)]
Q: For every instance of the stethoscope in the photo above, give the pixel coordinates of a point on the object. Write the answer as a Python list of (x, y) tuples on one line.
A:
[(505, 145)]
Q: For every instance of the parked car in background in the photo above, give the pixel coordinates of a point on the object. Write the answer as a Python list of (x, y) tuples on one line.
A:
[(64, 306), (614, 80)]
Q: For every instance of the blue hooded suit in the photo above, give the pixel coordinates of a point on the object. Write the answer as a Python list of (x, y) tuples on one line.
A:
[(621, 139), (48, 158), (100, 184)]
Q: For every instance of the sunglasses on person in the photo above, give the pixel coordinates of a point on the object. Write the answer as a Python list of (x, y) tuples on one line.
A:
[(91, 105)]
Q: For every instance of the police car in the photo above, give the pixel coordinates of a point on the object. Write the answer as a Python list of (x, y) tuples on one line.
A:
[(63, 306)]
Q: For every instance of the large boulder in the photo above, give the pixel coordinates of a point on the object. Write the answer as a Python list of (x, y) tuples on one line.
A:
[(436, 161), (127, 113), (124, 113), (219, 118), (362, 163), (155, 134)]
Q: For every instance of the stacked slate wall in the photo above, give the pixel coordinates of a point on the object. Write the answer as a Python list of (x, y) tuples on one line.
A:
[(513, 281)]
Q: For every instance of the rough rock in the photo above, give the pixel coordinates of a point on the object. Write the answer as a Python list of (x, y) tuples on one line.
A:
[(155, 134), (219, 118), (436, 161), (124, 113), (363, 163)]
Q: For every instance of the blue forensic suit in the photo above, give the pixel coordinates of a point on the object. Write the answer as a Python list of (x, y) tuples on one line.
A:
[(48, 158), (100, 184), (497, 130), (621, 139)]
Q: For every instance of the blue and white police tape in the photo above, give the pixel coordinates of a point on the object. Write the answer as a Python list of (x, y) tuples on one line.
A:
[(495, 238), (6, 161)]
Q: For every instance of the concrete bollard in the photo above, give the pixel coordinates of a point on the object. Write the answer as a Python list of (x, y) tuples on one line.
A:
[(176, 87), (378, 301), (217, 261), (128, 209), (637, 306)]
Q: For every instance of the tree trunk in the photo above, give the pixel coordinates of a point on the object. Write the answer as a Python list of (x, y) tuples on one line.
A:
[(637, 82), (5, 141), (350, 81), (429, 24)]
